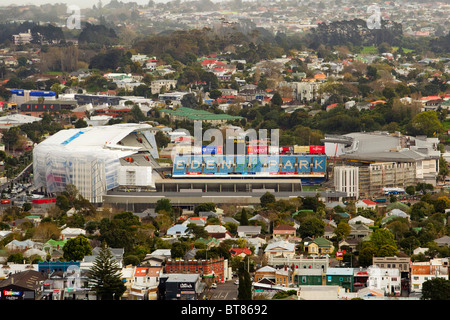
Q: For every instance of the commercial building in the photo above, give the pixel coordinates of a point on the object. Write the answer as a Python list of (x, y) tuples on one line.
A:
[(217, 269), (383, 160), (346, 179), (180, 286), (423, 271)]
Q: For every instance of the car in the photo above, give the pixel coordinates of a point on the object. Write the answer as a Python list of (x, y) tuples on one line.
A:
[(214, 286)]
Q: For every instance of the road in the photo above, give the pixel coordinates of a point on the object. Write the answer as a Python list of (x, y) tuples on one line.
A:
[(224, 291)]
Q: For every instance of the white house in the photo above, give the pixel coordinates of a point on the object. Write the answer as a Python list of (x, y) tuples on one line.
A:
[(70, 233), (145, 284), (177, 231), (362, 220), (21, 245), (281, 248), (387, 280)]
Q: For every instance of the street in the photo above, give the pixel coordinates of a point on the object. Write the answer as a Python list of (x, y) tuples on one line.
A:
[(224, 291)]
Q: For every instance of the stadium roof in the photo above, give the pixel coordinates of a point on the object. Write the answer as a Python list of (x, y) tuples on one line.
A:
[(384, 147), (94, 138)]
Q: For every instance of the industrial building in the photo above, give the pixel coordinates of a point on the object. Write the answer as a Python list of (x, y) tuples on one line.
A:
[(382, 160)]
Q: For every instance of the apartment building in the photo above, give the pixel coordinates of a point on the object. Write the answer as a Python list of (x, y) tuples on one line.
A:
[(423, 271)]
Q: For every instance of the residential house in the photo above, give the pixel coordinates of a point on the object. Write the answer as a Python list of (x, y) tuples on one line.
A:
[(350, 244), (16, 245), (241, 252), (157, 85), (329, 232), (51, 245), (359, 231), (365, 204), (70, 233), (361, 220), (443, 241), (199, 221), (157, 257), (276, 276), (281, 248), (320, 246), (218, 232), (178, 231), (259, 218), (284, 231), (248, 231), (145, 285), (117, 254), (35, 252), (127, 275)]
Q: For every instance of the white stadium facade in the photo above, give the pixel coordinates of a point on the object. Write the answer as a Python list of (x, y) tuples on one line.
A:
[(95, 159)]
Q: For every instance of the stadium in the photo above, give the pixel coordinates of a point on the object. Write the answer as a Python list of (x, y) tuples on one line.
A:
[(118, 164)]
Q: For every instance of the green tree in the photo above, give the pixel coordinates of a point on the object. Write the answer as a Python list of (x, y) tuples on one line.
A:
[(161, 139), (163, 205), (75, 249), (443, 168), (312, 227), (276, 99), (436, 289), (206, 206), (411, 190), (425, 123), (266, 199), (245, 283), (382, 237), (105, 276)]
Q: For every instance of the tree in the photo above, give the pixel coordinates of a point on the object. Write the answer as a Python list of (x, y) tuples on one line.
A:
[(436, 289), (105, 276), (214, 94), (425, 123), (203, 207), (382, 237), (245, 283), (312, 227), (266, 199), (75, 249), (411, 190), (277, 99), (443, 168), (161, 139), (163, 205)]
